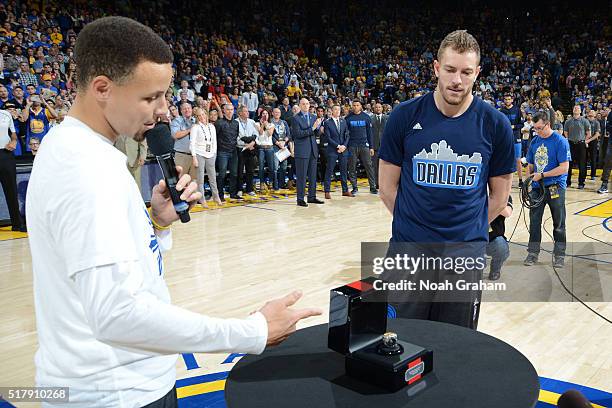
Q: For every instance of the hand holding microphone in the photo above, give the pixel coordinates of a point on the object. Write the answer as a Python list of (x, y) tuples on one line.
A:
[(174, 195)]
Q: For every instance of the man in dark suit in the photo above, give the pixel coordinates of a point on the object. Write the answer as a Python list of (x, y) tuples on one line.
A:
[(303, 128), (379, 120), (337, 135)]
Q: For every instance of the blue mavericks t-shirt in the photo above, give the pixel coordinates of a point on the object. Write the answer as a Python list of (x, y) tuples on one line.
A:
[(445, 166), (547, 153)]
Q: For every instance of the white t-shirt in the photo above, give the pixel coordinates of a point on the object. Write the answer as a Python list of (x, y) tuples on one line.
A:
[(7, 126), (106, 327)]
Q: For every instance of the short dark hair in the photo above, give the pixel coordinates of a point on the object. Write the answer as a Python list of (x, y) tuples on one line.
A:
[(541, 115), (114, 46)]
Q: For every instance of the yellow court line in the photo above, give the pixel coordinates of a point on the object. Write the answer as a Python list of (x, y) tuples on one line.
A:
[(552, 398), (602, 210), (203, 388)]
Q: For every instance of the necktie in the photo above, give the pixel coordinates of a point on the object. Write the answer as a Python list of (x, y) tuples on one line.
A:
[(308, 119), (337, 124)]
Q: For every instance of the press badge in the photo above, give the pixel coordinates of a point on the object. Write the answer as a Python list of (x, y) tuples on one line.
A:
[(554, 191)]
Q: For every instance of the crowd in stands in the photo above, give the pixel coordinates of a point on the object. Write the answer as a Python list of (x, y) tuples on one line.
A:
[(261, 55)]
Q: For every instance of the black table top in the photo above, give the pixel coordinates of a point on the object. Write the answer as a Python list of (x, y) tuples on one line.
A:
[(471, 370)]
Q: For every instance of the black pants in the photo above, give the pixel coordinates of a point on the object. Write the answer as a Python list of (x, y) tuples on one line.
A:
[(461, 309), (8, 179), (375, 166), (578, 150), (603, 149), (363, 154), (246, 169), (557, 211), (167, 401), (592, 156), (322, 166), (306, 168), (607, 165)]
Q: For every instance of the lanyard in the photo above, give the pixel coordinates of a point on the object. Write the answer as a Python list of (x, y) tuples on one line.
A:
[(209, 138)]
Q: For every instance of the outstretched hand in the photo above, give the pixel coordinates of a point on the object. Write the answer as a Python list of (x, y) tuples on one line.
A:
[(282, 320)]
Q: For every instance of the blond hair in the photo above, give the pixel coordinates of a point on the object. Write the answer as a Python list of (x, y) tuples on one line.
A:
[(460, 41), (197, 111)]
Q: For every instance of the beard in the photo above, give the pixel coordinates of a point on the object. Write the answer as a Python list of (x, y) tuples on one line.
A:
[(455, 100)]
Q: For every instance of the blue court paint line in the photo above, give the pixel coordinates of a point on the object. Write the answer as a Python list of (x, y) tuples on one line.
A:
[(574, 256), (4, 404), (201, 379), (600, 397), (214, 399), (605, 224), (190, 361), (540, 404), (595, 205), (259, 208)]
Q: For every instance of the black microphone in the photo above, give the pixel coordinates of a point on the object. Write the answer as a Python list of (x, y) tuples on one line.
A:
[(161, 144), (573, 399)]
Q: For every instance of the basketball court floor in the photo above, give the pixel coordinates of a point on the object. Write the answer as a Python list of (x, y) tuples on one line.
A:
[(228, 261)]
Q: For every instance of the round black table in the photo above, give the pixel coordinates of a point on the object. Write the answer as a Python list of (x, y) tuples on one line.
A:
[(471, 370)]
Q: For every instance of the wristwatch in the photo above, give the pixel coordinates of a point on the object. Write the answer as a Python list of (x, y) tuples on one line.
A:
[(542, 174)]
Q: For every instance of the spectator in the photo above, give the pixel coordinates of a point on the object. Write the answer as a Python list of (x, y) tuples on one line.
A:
[(247, 132), (204, 152), (227, 152), (250, 101), (265, 144), (37, 115), (181, 129)]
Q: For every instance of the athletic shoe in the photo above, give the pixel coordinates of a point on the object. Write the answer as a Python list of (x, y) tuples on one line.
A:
[(603, 189), (251, 193), (530, 260), (520, 185), (592, 177), (494, 275), (354, 191), (558, 262), (580, 186), (373, 191)]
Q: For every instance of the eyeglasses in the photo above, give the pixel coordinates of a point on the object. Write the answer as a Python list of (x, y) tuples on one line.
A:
[(539, 128)]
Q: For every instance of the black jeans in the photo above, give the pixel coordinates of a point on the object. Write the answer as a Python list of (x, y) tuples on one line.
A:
[(578, 150), (167, 401), (246, 168), (557, 210), (8, 179), (225, 161)]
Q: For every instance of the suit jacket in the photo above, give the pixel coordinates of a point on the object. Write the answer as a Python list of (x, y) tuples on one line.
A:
[(334, 136), (304, 139), (377, 130), (132, 149)]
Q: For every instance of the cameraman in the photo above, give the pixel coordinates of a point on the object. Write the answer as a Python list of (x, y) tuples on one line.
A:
[(550, 153)]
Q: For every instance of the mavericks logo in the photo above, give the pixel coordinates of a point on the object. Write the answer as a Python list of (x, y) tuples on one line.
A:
[(443, 168)]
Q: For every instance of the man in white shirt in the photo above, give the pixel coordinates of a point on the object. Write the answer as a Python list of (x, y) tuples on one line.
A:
[(106, 328), (251, 101)]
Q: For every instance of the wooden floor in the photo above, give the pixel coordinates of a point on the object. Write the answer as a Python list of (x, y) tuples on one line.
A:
[(228, 262)]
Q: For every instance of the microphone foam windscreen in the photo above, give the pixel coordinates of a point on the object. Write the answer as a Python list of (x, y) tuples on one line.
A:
[(160, 139), (573, 399)]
